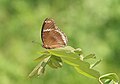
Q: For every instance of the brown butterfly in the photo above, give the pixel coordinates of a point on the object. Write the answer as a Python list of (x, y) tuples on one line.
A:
[(52, 36)]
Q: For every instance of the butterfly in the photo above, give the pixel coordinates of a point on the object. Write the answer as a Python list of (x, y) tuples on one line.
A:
[(52, 37)]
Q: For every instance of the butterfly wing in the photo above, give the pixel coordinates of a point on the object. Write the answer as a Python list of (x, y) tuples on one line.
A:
[(52, 36)]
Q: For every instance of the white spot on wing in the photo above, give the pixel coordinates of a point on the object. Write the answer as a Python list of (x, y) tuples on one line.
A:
[(47, 21), (47, 30)]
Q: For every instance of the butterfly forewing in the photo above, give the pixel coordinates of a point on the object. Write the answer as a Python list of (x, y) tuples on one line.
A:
[(52, 36)]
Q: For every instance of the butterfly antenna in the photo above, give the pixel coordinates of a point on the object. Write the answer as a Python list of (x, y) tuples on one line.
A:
[(36, 43)]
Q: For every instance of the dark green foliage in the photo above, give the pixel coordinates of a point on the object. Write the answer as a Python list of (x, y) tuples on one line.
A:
[(92, 25)]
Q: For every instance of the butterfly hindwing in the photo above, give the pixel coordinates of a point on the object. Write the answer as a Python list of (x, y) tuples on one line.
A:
[(52, 36)]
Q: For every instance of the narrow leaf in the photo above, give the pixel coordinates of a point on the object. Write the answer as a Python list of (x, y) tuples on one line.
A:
[(110, 76), (34, 70), (88, 72), (78, 51), (38, 69), (64, 52), (96, 63), (43, 64), (82, 67), (55, 62), (42, 57), (90, 56)]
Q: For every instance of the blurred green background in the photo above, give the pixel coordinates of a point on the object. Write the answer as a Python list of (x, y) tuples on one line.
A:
[(92, 25)]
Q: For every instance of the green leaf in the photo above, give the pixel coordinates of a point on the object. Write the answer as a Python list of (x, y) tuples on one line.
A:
[(78, 51), (76, 62), (64, 52), (82, 67), (96, 63), (55, 62), (39, 68), (34, 71), (42, 57), (88, 72), (90, 56), (110, 76), (73, 57), (57, 58), (43, 52), (108, 81), (50, 63)]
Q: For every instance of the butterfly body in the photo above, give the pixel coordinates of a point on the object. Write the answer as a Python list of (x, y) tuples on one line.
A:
[(52, 36)]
